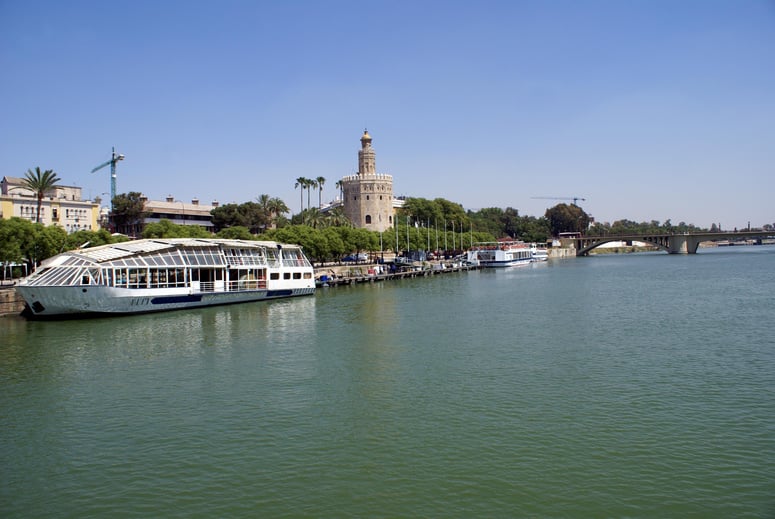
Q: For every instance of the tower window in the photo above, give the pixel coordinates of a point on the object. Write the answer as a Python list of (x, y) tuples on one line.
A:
[(368, 218), (367, 197)]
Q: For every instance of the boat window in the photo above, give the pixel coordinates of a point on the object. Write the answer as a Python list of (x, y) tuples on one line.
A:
[(274, 275), (286, 275), (297, 275), (121, 278), (138, 278)]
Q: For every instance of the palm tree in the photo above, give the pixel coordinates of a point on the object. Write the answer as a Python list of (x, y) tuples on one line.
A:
[(340, 186), (301, 181), (337, 218), (276, 208), (263, 206), (311, 184), (314, 218), (39, 182), (320, 181)]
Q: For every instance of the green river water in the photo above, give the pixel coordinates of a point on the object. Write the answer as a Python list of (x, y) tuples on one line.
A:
[(638, 385)]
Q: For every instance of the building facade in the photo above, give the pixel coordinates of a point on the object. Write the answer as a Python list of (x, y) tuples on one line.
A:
[(180, 213), (62, 206), (368, 195)]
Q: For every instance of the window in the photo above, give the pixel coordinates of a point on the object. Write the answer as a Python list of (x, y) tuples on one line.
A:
[(274, 275), (368, 218)]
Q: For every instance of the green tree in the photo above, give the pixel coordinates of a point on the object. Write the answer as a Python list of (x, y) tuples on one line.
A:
[(235, 233), (337, 218), (14, 235), (85, 239), (40, 182), (314, 218), (167, 229), (227, 215), (128, 213), (336, 247), (567, 218)]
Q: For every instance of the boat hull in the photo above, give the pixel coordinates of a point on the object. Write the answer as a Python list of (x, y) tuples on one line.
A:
[(90, 300), (505, 263)]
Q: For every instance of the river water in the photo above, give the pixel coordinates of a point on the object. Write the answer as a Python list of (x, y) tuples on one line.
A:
[(638, 385)]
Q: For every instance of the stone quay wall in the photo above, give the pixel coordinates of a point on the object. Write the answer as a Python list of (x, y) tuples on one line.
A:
[(11, 303)]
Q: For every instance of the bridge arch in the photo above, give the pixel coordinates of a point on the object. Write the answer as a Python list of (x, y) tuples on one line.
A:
[(585, 245)]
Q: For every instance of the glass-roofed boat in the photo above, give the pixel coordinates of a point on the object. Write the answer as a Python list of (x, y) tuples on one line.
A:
[(165, 274)]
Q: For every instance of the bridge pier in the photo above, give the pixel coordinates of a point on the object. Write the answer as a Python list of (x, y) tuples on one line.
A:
[(682, 244)]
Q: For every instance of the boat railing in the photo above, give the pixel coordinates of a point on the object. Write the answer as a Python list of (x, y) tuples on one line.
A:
[(295, 262), (245, 284), (233, 286)]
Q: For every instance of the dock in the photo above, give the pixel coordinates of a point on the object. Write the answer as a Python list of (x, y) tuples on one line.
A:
[(336, 276)]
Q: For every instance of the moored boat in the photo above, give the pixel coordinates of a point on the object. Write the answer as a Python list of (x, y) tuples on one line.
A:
[(165, 274), (539, 253), (500, 254)]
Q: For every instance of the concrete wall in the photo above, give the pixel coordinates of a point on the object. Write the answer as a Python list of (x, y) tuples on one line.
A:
[(11, 303)]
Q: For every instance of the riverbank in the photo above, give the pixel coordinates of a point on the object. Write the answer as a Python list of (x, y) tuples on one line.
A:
[(11, 303)]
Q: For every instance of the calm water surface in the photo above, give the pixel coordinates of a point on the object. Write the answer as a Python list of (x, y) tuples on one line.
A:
[(616, 386)]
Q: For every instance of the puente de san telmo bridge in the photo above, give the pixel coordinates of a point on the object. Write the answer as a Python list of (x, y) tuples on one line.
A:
[(673, 243)]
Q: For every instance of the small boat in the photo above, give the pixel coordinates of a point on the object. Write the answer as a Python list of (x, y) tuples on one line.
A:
[(500, 254), (539, 253), (165, 274)]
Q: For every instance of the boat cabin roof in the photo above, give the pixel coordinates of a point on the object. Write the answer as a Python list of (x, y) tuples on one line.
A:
[(114, 251)]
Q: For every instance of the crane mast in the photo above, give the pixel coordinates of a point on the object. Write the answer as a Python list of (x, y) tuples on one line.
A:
[(114, 158)]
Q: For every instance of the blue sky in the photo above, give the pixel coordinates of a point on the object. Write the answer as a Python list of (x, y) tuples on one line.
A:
[(648, 109)]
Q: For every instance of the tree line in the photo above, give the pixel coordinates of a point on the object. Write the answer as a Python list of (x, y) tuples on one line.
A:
[(421, 224)]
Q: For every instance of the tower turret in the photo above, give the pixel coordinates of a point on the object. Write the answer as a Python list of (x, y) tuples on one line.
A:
[(367, 158)]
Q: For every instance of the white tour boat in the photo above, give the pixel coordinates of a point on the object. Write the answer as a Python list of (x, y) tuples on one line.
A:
[(165, 274), (539, 253), (500, 254)]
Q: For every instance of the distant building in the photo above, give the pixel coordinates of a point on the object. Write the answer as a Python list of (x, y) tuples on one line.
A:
[(368, 195), (62, 206), (180, 213)]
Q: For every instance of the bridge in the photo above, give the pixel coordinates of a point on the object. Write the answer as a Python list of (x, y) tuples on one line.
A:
[(673, 243)]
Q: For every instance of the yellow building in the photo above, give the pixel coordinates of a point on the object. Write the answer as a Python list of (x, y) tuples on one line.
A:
[(61, 206)]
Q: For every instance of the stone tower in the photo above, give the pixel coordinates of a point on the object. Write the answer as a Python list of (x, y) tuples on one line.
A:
[(368, 195)]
